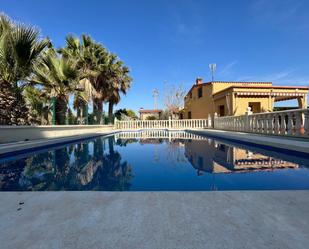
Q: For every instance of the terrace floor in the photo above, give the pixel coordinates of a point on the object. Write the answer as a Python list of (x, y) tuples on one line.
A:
[(239, 219)]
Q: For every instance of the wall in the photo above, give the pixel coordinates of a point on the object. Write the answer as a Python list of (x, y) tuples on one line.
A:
[(240, 104), (204, 106), (199, 107), (22, 133)]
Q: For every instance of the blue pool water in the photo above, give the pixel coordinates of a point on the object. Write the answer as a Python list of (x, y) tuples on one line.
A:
[(154, 160)]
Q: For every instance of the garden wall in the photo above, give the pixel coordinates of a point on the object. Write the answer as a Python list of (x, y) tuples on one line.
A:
[(22, 133)]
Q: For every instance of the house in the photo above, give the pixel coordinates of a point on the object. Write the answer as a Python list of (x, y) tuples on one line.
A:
[(232, 98), (150, 114)]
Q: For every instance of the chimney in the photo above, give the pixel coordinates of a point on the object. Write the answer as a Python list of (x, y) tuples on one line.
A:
[(199, 81)]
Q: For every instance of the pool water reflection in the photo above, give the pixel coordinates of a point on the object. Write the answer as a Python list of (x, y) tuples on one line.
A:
[(154, 160)]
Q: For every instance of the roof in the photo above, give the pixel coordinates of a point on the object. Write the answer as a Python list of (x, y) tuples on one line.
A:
[(150, 111), (229, 82), (264, 87)]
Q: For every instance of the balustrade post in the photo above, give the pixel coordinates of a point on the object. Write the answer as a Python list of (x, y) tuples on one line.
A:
[(266, 123), (298, 123), (247, 121), (215, 120), (169, 122), (209, 123), (277, 124), (282, 124), (306, 122)]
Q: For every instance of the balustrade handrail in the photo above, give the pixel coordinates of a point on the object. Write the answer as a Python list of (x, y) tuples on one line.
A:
[(294, 122), (163, 124), (137, 120), (266, 113)]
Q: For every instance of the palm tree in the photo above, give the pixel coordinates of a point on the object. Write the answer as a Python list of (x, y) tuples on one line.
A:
[(58, 76), (20, 48), (120, 82), (38, 105), (90, 60)]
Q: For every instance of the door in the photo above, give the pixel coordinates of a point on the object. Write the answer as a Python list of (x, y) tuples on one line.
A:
[(221, 111)]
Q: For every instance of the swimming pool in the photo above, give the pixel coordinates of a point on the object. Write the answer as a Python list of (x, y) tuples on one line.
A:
[(154, 161)]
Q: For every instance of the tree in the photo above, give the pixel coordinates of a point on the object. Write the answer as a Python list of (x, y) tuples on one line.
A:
[(119, 82), (125, 114), (38, 105), (174, 99), (20, 48), (90, 59), (151, 118), (58, 76)]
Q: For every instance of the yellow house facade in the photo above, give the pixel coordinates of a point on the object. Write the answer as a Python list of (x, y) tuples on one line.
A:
[(232, 98)]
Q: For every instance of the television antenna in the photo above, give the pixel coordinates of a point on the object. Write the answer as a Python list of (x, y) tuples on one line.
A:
[(155, 94), (212, 67)]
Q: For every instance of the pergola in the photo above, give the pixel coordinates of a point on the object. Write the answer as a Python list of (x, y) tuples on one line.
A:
[(235, 95)]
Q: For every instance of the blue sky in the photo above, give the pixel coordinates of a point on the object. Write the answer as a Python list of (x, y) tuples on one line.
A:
[(174, 41)]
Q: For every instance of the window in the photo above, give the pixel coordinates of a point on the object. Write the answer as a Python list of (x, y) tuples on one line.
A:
[(190, 95), (200, 92), (189, 115)]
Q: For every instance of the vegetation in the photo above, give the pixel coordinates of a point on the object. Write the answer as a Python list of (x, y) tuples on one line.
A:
[(124, 114), (173, 99), (151, 118), (37, 80), (20, 47)]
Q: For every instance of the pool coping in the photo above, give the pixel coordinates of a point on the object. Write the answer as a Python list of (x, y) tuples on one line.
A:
[(11, 149), (280, 144)]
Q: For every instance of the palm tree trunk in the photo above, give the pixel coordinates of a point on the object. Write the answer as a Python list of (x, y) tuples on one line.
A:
[(110, 112), (97, 110), (79, 114), (13, 109), (111, 146), (61, 110)]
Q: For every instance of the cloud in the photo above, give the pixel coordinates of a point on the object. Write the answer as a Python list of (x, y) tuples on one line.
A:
[(227, 69), (281, 14), (284, 77)]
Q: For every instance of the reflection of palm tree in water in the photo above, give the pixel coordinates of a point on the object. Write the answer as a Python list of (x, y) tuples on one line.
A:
[(54, 170), (117, 174)]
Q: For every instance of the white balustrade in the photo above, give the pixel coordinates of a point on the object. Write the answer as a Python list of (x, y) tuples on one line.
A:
[(289, 122), (163, 124)]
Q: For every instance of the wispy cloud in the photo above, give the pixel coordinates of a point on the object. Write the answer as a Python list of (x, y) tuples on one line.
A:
[(281, 14), (227, 69), (284, 77)]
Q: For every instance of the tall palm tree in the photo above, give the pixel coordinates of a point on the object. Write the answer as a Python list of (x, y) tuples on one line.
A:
[(90, 59), (38, 104), (20, 48), (120, 82), (58, 76)]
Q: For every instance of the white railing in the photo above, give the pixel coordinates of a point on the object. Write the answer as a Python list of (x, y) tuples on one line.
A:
[(163, 124), (290, 122), (165, 134)]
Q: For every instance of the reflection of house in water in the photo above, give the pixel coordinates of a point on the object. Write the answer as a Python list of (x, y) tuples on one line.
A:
[(210, 156)]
